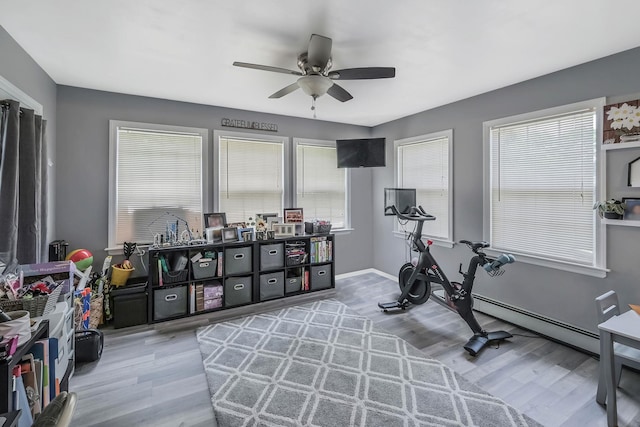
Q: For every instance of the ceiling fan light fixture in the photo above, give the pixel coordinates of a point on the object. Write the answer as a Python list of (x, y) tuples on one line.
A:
[(315, 85)]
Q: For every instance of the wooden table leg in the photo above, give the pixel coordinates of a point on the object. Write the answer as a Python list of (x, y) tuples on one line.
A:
[(606, 358)]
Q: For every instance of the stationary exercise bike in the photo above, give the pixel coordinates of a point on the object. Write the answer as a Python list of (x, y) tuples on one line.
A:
[(416, 279)]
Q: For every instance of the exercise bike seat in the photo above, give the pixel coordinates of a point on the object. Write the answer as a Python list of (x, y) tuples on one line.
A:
[(475, 245)]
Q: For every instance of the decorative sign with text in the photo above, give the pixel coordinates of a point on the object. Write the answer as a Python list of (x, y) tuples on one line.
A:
[(246, 124)]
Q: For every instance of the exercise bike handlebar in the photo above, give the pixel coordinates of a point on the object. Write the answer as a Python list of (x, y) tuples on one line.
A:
[(415, 214)]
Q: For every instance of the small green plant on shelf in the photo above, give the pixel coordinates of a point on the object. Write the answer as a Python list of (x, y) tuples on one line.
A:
[(610, 209)]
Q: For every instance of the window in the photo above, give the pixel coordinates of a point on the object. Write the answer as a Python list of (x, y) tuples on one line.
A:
[(542, 185), (424, 163), (156, 175), (250, 175), (320, 185)]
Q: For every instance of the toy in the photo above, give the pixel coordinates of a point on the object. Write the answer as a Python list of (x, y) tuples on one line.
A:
[(82, 258)]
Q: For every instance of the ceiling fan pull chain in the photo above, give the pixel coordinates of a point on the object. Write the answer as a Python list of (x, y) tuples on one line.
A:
[(313, 106)]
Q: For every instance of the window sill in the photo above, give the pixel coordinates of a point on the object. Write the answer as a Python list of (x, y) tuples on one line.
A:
[(342, 231), (436, 241), (598, 272)]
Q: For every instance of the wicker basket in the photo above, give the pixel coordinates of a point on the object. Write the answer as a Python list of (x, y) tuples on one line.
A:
[(95, 316), (37, 306)]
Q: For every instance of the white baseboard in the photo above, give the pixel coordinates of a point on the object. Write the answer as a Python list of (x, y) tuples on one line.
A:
[(549, 327)]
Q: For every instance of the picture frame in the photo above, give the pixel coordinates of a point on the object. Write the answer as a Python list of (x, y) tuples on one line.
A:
[(273, 220), (283, 230), (230, 234), (214, 234), (215, 219), (245, 234), (237, 224), (631, 208), (293, 216)]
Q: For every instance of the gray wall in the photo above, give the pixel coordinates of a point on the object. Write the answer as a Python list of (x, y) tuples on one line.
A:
[(554, 293), (22, 71), (83, 167)]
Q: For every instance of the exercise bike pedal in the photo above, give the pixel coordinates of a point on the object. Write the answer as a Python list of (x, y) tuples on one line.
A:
[(393, 305)]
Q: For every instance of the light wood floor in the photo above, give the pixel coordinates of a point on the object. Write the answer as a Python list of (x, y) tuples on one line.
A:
[(153, 375)]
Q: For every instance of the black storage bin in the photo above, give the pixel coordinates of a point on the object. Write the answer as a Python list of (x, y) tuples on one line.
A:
[(169, 302), (237, 291), (271, 285), (320, 277), (129, 305), (237, 260), (89, 344), (271, 256)]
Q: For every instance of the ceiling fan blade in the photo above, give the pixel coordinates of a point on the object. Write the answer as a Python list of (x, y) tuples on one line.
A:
[(319, 51), (267, 68), (339, 93), (363, 73), (285, 91)]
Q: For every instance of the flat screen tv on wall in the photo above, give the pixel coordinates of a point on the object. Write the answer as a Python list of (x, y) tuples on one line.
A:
[(361, 153)]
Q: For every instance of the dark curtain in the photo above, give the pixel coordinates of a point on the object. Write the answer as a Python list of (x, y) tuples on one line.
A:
[(23, 180)]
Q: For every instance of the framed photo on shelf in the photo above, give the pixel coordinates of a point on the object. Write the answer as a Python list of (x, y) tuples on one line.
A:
[(273, 220), (215, 219), (230, 234), (293, 216), (245, 234), (214, 234), (237, 224), (631, 208), (283, 230)]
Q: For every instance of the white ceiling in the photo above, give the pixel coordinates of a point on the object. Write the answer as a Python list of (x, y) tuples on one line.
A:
[(443, 50)]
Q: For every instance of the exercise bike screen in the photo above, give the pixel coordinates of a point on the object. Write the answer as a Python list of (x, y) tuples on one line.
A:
[(403, 199)]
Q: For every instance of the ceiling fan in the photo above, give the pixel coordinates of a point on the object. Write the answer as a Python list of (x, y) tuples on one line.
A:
[(316, 76)]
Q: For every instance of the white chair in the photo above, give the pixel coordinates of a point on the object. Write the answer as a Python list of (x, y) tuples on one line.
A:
[(608, 306)]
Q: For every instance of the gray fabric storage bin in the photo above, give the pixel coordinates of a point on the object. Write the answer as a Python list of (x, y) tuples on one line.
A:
[(237, 260), (204, 269), (271, 285), (293, 284), (237, 291), (169, 302), (320, 277), (271, 256)]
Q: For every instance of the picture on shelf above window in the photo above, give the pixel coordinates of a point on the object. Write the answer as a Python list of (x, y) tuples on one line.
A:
[(631, 209), (621, 122), (215, 219), (293, 216)]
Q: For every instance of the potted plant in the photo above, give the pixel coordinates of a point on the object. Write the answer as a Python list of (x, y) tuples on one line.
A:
[(610, 209)]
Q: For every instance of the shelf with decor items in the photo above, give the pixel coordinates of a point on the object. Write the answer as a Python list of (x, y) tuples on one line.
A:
[(192, 280)]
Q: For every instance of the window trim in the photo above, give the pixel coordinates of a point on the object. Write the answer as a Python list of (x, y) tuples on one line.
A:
[(286, 162), (447, 133), (294, 177), (599, 269), (114, 125)]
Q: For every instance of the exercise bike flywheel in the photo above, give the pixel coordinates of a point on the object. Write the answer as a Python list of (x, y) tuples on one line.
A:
[(420, 290)]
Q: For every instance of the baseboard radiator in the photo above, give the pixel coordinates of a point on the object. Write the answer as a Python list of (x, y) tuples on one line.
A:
[(566, 333)]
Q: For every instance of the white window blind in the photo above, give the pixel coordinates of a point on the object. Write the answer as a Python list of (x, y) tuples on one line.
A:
[(157, 172), (424, 165), (320, 185), (250, 178), (542, 189)]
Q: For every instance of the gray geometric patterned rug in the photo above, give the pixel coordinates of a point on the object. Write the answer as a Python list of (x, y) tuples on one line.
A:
[(322, 364)]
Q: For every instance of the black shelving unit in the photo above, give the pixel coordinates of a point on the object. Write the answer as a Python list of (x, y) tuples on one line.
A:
[(7, 365), (246, 272)]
